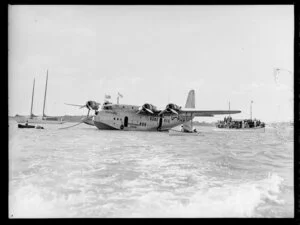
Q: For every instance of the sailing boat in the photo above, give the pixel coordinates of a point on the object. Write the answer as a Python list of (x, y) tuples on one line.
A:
[(40, 119)]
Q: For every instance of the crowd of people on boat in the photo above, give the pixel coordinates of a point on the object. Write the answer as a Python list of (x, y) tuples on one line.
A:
[(247, 123)]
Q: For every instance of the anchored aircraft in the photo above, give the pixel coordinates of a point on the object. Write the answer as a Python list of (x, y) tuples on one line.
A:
[(146, 117)]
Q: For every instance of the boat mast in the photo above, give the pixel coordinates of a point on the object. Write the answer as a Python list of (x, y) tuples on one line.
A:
[(32, 98), (45, 95), (251, 110)]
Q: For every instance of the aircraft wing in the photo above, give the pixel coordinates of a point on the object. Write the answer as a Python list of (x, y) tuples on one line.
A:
[(197, 112)]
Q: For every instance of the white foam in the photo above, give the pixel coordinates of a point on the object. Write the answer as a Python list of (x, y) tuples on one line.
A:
[(229, 200)]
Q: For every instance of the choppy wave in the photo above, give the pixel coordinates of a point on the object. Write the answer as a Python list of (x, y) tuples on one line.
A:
[(85, 172), (217, 200)]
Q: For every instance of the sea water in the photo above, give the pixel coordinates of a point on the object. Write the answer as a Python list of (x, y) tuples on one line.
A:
[(85, 172)]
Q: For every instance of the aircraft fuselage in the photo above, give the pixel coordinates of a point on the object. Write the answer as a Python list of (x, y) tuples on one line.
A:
[(125, 117)]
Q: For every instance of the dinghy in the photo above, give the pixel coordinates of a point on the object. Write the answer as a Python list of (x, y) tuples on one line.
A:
[(182, 133), (29, 126), (25, 126)]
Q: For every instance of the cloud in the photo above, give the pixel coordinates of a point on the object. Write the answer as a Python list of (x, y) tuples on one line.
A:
[(257, 85)]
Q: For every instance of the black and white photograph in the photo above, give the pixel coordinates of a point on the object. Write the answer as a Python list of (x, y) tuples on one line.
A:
[(151, 111)]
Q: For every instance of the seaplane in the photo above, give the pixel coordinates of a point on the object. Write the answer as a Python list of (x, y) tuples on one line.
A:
[(146, 117)]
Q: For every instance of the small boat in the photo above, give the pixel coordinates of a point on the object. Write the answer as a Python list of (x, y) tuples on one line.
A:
[(243, 125), (253, 129), (25, 126), (186, 130), (182, 133), (29, 126), (39, 127), (240, 125)]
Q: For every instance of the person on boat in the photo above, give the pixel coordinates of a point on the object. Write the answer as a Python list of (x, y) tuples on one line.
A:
[(26, 124), (185, 130)]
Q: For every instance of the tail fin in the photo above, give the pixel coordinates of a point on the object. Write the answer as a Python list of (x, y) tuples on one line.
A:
[(190, 102)]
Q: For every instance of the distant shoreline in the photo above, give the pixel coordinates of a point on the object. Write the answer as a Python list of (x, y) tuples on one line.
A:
[(69, 118), (66, 118)]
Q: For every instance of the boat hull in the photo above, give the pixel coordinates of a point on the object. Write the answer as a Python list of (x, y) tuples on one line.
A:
[(103, 126), (88, 121), (254, 129), (38, 121), (180, 133), (25, 126)]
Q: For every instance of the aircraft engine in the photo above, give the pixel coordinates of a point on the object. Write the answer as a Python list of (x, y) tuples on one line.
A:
[(92, 105), (147, 108), (171, 108)]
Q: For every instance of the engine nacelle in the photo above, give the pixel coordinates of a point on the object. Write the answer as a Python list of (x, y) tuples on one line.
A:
[(92, 105), (172, 106), (149, 106)]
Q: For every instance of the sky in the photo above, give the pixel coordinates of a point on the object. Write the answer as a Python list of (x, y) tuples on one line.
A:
[(153, 54)]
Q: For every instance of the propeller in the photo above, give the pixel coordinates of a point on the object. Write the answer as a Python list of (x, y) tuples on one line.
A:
[(89, 105), (147, 108), (173, 111), (170, 108)]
